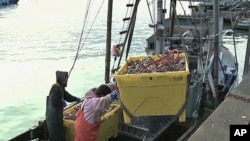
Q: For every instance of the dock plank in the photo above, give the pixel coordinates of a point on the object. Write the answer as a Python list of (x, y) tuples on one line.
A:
[(230, 111)]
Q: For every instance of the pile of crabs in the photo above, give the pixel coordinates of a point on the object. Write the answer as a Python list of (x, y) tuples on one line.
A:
[(71, 114), (163, 63)]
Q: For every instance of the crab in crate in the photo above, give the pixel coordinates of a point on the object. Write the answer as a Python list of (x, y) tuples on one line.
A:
[(71, 115), (166, 62)]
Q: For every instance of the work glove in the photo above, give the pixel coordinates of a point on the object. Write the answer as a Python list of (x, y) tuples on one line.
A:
[(64, 104), (78, 99), (114, 95)]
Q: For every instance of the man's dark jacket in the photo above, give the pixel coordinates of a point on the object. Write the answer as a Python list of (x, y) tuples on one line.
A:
[(54, 107)]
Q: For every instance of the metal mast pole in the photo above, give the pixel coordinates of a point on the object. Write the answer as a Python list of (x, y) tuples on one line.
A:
[(159, 32), (216, 47), (172, 18), (108, 43)]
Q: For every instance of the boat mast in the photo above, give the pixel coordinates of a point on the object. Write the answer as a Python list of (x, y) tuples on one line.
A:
[(216, 47), (172, 18), (108, 42), (159, 29)]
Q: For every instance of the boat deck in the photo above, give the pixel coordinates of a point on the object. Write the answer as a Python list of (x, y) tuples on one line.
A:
[(233, 110)]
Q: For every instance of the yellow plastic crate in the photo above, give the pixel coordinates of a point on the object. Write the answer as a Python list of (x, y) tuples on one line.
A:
[(108, 127), (152, 94)]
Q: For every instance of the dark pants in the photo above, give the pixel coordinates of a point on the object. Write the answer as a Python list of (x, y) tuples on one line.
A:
[(54, 118)]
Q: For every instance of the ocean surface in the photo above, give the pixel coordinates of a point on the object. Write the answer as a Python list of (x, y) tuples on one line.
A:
[(38, 37)]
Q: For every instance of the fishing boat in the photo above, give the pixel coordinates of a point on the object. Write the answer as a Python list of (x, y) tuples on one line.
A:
[(242, 22), (183, 76), (229, 9), (7, 2)]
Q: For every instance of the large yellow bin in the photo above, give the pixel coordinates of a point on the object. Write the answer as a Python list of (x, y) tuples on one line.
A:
[(108, 127), (152, 94)]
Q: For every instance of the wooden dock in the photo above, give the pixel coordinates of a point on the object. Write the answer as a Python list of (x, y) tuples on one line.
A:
[(235, 109)]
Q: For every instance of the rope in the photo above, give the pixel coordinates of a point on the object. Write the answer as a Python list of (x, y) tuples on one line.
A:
[(84, 23), (131, 33), (150, 12), (79, 45), (182, 8), (235, 52), (94, 20), (175, 15)]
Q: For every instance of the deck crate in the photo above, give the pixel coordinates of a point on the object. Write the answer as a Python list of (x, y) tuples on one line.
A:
[(108, 127), (152, 94)]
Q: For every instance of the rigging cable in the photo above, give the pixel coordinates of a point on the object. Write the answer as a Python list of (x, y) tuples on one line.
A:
[(235, 52), (130, 30), (131, 34), (79, 45), (93, 21), (175, 14), (182, 8), (150, 12), (84, 23), (119, 43), (154, 10), (127, 11), (184, 12)]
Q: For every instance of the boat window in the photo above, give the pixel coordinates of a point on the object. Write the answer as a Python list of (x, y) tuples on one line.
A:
[(151, 46)]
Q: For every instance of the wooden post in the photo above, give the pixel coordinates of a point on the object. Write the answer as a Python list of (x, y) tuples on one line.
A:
[(108, 41)]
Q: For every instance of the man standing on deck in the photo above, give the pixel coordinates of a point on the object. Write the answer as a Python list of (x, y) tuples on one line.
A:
[(88, 117), (55, 104)]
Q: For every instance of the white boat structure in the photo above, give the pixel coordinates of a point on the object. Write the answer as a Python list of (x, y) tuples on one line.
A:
[(194, 74)]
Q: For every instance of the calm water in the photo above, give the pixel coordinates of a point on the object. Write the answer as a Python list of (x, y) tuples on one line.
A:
[(38, 37)]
